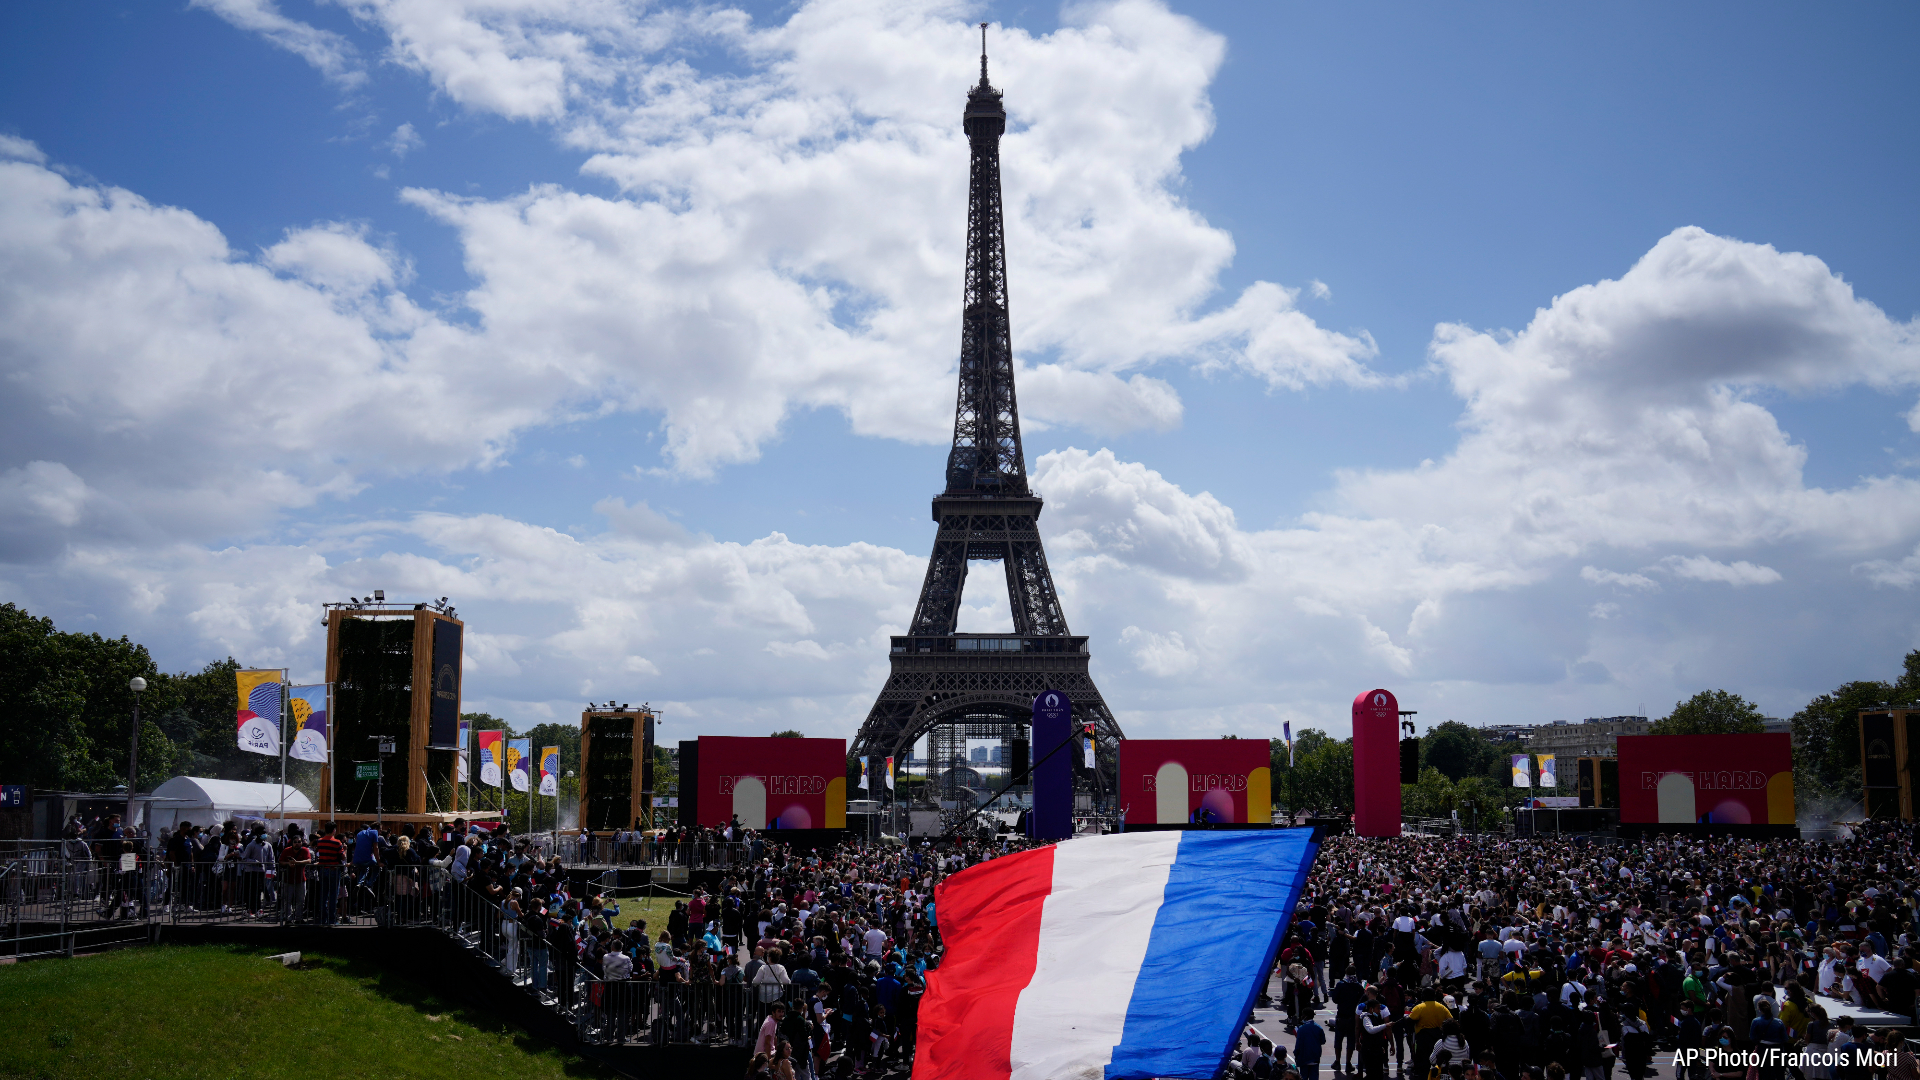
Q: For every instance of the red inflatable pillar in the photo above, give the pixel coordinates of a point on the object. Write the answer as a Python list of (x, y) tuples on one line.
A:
[(1376, 764)]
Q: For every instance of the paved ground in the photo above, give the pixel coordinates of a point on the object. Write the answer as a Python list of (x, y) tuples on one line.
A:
[(1273, 1024)]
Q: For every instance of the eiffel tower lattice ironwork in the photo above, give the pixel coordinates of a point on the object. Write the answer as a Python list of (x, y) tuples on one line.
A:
[(985, 683)]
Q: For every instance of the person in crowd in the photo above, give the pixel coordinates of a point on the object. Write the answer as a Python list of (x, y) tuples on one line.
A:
[(329, 865), (296, 861), (1308, 1040)]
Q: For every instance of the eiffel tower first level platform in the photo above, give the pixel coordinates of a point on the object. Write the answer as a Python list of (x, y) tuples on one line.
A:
[(984, 683), (942, 677)]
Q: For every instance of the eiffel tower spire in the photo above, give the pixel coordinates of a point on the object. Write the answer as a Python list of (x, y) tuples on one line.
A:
[(983, 685), (986, 457)]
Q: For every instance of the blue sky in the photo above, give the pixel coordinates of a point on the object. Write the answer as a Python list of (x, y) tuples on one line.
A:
[(705, 261)]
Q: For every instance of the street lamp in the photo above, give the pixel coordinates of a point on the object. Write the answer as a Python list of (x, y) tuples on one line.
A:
[(135, 684), (382, 747)]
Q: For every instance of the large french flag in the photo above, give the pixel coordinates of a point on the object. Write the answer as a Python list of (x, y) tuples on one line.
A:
[(1108, 957)]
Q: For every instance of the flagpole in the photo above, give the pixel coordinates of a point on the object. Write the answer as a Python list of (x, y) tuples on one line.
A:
[(286, 706), (333, 773)]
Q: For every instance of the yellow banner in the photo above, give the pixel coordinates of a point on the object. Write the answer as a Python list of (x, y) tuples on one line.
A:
[(257, 721)]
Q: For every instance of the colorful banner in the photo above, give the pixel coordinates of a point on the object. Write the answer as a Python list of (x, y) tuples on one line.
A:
[(1189, 781), (1087, 737), (519, 754), (491, 756), (862, 785), (460, 774), (309, 705), (889, 774), (1522, 771), (1286, 733), (1547, 777), (257, 723), (550, 771)]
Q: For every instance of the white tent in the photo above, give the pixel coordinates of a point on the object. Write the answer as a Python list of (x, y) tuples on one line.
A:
[(205, 801)]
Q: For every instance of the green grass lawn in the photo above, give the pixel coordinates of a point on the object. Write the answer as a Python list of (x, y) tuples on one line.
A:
[(655, 911), (209, 1012)]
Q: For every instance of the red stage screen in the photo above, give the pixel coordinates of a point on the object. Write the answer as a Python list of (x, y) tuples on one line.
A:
[(773, 783), (1708, 779), (1180, 781)]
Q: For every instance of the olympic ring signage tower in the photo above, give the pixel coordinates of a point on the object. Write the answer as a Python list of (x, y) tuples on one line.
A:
[(1376, 764)]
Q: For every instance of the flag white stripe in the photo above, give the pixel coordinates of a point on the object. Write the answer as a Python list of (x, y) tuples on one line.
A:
[(1094, 929)]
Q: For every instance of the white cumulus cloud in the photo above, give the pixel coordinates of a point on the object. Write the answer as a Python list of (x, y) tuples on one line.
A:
[(1900, 574), (329, 53), (1701, 568)]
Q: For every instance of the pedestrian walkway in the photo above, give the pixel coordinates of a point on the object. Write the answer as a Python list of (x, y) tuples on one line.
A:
[(1272, 1023)]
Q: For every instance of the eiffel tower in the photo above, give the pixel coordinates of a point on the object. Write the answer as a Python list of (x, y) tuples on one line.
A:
[(983, 685)]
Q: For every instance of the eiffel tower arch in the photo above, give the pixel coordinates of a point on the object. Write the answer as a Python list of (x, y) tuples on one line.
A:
[(983, 683)]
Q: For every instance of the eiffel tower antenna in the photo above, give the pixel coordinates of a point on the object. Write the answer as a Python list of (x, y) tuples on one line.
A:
[(951, 685)]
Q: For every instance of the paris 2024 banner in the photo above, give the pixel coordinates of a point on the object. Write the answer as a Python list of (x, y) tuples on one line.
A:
[(1707, 779), (773, 783), (1189, 781)]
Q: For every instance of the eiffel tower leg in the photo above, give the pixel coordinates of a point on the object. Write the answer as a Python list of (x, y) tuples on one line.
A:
[(939, 608), (1036, 608)]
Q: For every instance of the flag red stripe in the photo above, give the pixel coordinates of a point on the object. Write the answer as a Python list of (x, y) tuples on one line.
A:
[(989, 920)]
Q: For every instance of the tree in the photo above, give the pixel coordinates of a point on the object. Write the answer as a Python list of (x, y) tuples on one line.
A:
[(1826, 734), (1432, 796), (1323, 771), (1457, 750), (564, 736), (788, 734), (1826, 739), (1906, 689), (480, 721), (66, 714), (1481, 804), (1311, 740), (1710, 712)]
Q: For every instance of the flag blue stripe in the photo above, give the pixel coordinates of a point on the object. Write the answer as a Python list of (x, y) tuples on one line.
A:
[(1227, 905)]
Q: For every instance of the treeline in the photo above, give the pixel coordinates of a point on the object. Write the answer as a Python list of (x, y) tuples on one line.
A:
[(66, 716), (1461, 770), (1826, 734)]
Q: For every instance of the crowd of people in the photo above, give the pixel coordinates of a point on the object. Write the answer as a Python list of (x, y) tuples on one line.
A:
[(1490, 958), (1440, 958), (829, 950), (833, 945)]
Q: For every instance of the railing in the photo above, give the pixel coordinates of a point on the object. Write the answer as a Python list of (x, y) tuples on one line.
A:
[(318, 895), (57, 898), (601, 850), (650, 1012)]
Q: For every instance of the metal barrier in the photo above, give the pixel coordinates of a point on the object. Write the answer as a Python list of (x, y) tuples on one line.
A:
[(59, 896), (652, 1012), (318, 895), (648, 851)]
